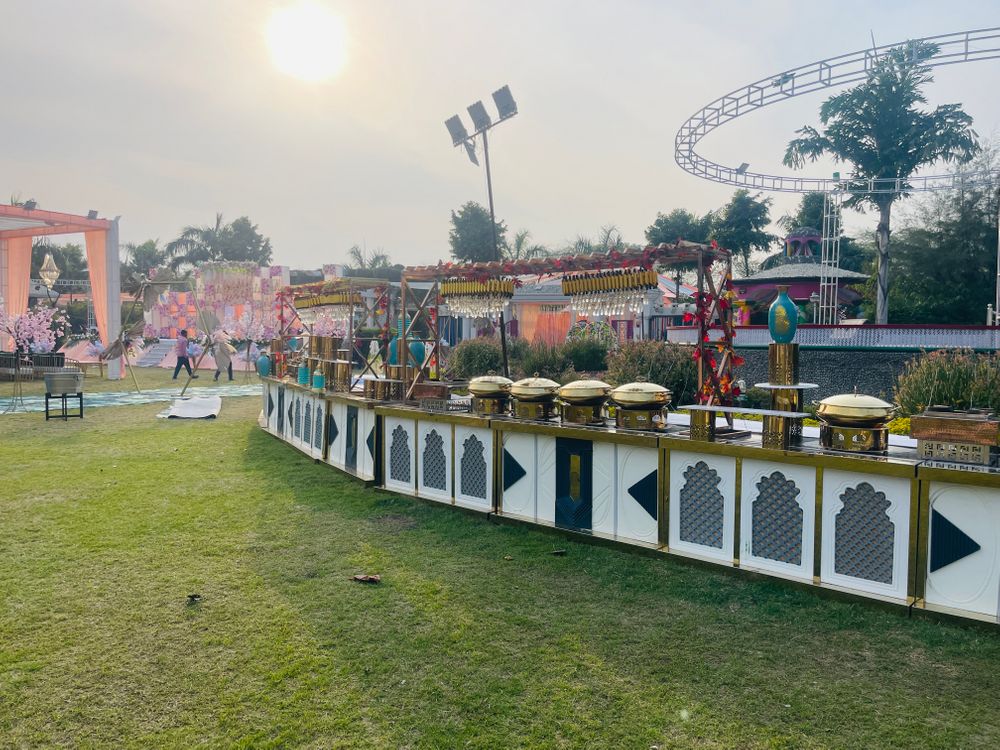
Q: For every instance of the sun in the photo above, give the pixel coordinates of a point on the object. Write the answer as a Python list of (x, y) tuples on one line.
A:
[(307, 41)]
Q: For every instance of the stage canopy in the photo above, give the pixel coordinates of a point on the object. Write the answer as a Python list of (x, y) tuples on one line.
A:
[(20, 225)]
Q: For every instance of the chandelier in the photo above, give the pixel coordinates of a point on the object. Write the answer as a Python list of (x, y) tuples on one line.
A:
[(609, 293), (477, 299), (336, 306)]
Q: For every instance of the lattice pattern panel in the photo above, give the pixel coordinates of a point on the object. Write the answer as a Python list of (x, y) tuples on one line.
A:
[(318, 431), (307, 424), (473, 468), (399, 455), (297, 424), (777, 520), (864, 538), (702, 507), (435, 465)]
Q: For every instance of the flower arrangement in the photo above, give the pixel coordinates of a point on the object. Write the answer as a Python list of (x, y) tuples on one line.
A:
[(35, 330)]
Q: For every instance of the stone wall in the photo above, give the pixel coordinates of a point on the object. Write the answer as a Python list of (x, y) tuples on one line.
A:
[(834, 370)]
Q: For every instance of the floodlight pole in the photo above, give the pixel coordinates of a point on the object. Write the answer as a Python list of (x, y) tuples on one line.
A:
[(496, 249)]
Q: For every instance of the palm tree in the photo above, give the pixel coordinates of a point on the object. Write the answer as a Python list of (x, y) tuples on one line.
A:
[(522, 249), (878, 128), (198, 244), (138, 260), (363, 260)]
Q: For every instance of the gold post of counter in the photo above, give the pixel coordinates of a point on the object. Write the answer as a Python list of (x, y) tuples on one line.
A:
[(703, 425), (783, 369)]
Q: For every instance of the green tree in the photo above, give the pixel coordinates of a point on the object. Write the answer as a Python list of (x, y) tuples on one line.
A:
[(740, 226), (521, 248), (680, 224), (881, 131), (471, 236), (367, 260), (372, 264), (138, 259), (608, 238), (238, 241), (944, 257)]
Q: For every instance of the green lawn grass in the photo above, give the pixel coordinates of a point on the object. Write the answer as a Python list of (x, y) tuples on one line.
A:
[(149, 379), (477, 637)]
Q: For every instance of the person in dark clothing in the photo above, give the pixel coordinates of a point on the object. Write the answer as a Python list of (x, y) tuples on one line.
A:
[(181, 350)]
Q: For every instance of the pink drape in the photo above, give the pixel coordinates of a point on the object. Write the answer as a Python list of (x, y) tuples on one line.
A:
[(98, 269), (18, 274), (18, 278)]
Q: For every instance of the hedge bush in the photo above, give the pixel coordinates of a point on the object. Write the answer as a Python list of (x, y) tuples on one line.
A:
[(958, 377), (667, 364), (475, 357), (548, 361), (587, 355)]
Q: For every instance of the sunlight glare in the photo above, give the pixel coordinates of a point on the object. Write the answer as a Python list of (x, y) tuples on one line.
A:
[(307, 41)]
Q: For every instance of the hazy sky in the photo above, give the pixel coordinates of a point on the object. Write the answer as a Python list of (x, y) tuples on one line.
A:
[(166, 111)]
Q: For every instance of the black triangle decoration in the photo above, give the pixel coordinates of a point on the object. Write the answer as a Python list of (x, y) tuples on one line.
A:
[(948, 542), (370, 442), (270, 404), (331, 430), (512, 470), (644, 493)]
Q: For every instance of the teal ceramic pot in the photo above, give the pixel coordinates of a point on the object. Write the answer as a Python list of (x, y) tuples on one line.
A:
[(782, 317), (304, 374), (318, 380), (263, 365), (416, 352)]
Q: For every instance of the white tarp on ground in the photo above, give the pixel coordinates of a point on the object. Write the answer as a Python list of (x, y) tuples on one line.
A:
[(199, 407)]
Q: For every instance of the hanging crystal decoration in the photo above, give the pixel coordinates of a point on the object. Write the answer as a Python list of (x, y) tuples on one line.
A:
[(609, 293), (335, 306), (477, 299)]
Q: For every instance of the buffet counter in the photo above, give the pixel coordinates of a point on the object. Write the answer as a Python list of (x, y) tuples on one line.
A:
[(886, 526)]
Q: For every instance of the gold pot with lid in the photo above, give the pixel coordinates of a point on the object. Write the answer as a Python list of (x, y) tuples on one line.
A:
[(585, 392), (641, 395), (855, 410), (534, 389), (490, 386)]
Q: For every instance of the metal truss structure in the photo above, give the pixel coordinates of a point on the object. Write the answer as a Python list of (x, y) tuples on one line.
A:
[(854, 67)]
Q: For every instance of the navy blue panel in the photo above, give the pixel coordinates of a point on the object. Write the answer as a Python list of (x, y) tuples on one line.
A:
[(370, 442), (644, 492), (331, 430), (281, 410), (270, 403), (351, 457), (512, 470), (948, 542), (574, 512)]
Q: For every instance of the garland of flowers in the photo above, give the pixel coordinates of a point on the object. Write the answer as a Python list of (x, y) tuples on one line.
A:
[(717, 383)]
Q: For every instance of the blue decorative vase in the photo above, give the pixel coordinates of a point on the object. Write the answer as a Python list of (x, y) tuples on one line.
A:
[(416, 352), (263, 365), (304, 374), (782, 317), (318, 380)]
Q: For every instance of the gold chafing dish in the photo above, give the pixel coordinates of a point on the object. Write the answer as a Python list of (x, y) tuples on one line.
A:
[(585, 392), (534, 389), (855, 410), (490, 386), (640, 395)]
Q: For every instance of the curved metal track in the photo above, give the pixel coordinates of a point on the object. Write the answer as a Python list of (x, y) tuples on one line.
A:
[(964, 46)]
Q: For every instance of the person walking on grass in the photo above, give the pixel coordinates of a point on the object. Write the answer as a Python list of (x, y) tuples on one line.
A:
[(181, 350), (224, 352)]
